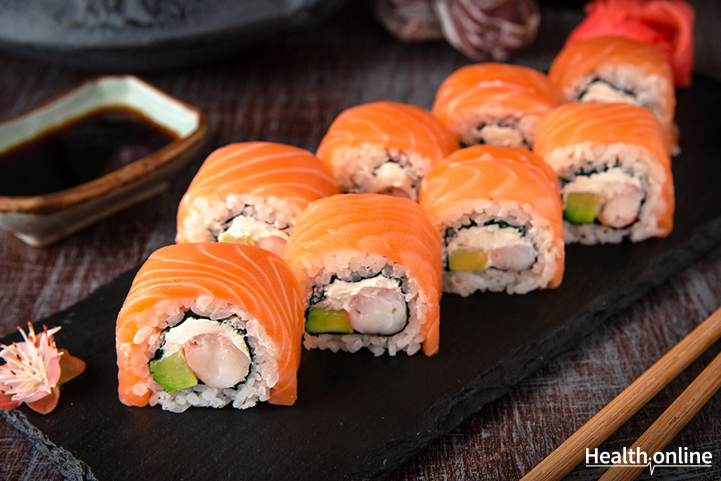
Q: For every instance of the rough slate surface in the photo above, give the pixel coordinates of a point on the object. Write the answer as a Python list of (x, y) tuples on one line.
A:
[(294, 103)]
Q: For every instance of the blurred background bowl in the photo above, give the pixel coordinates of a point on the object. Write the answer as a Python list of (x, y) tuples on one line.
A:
[(134, 35)]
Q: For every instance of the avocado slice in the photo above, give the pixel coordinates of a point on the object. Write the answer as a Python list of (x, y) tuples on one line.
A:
[(582, 208), (229, 238), (172, 372), (467, 260), (327, 321)]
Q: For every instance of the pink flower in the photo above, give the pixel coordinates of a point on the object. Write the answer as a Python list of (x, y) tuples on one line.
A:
[(33, 371)]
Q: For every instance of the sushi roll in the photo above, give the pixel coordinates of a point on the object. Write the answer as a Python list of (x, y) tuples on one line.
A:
[(384, 147), (494, 103), (251, 193), (369, 267), (614, 169), (499, 215), (617, 69), (208, 325)]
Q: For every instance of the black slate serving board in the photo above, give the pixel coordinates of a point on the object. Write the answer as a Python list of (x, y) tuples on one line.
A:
[(359, 416)]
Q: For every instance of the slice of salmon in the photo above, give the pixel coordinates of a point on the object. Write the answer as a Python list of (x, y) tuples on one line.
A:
[(262, 169), (257, 281), (514, 88), (391, 227), (389, 125), (603, 123)]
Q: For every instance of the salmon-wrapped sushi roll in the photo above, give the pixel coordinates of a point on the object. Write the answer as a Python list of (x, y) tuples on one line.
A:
[(614, 167), (494, 103), (209, 325), (384, 147), (499, 215), (369, 267), (251, 193), (617, 69)]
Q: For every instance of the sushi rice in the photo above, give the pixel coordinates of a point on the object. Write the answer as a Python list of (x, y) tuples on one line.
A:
[(635, 163), (494, 123), (266, 221), (486, 215), (622, 83), (373, 168), (354, 267), (171, 313)]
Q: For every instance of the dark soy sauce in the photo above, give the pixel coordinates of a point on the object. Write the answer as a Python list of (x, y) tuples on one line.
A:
[(79, 151)]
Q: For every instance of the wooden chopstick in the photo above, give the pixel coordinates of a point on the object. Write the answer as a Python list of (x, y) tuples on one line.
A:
[(561, 461), (673, 419)]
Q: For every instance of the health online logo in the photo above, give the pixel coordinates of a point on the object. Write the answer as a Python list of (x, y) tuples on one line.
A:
[(628, 458)]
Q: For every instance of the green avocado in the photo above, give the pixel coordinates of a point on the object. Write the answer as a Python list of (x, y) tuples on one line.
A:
[(172, 372), (467, 260), (327, 321), (582, 208)]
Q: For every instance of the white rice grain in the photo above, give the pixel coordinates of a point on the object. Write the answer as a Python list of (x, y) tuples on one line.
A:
[(513, 282), (263, 371), (352, 266)]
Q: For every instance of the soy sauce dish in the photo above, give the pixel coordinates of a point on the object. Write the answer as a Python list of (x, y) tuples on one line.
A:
[(99, 148)]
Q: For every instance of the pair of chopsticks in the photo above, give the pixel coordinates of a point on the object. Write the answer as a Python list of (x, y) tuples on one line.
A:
[(561, 461)]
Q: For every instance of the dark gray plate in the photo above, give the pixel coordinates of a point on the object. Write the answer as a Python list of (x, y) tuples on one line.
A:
[(358, 416), (146, 34)]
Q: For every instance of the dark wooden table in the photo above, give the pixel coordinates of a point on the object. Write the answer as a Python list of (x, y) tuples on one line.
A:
[(289, 89)]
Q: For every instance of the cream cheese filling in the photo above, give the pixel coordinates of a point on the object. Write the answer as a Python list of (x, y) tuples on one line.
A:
[(605, 183), (487, 237), (339, 293), (178, 335), (603, 92), (500, 135), (390, 174), (243, 226)]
